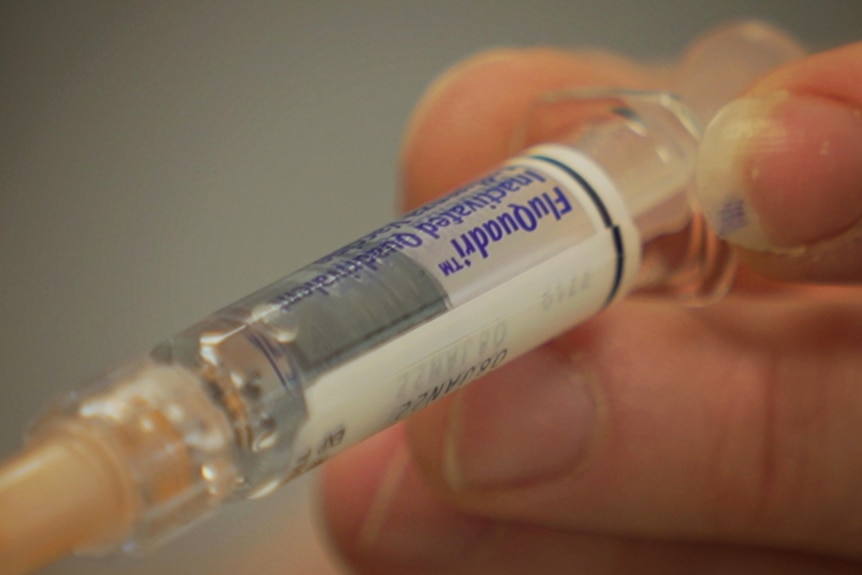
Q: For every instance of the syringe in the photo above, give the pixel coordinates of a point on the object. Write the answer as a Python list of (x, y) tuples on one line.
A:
[(275, 384)]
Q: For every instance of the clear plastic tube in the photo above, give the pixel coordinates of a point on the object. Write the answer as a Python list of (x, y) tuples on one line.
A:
[(275, 384)]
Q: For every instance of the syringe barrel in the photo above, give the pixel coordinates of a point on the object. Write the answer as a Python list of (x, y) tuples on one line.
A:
[(273, 385)]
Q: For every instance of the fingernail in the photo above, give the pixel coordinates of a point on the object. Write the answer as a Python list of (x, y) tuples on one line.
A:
[(407, 525), (779, 172), (531, 421)]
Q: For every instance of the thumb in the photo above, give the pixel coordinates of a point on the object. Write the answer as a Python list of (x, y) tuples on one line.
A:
[(780, 170)]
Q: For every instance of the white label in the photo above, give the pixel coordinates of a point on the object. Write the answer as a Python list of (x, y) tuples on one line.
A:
[(523, 255)]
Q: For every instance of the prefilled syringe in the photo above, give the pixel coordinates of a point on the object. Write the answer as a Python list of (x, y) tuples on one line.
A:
[(275, 384)]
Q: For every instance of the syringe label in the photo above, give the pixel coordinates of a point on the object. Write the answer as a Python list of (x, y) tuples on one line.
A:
[(430, 260), (516, 258)]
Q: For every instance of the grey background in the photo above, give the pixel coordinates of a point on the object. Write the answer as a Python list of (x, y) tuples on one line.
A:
[(159, 160)]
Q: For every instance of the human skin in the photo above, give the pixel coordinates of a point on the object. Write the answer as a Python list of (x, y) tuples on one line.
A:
[(653, 438)]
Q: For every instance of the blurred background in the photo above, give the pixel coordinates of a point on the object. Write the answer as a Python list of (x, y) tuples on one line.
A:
[(161, 159)]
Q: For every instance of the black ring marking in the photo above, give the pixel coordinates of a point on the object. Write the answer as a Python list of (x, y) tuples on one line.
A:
[(606, 218)]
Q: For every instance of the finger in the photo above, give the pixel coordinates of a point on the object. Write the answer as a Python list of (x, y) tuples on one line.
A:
[(382, 518), (465, 123), (385, 520), (668, 503), (779, 171), (736, 423)]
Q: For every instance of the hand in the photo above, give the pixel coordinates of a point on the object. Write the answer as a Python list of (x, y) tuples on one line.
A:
[(652, 439)]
